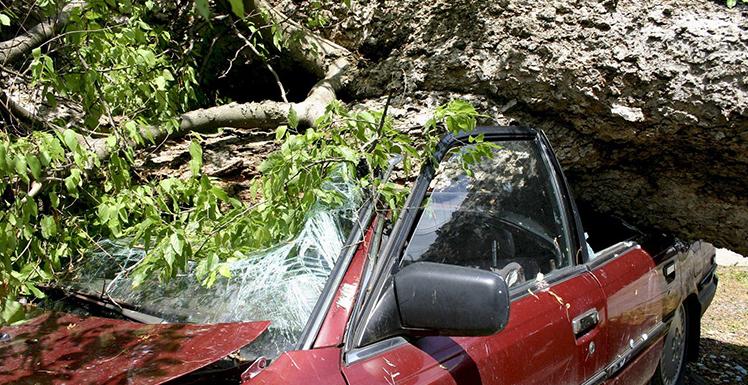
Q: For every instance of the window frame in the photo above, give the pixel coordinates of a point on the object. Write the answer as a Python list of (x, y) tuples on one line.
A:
[(566, 258), (390, 256)]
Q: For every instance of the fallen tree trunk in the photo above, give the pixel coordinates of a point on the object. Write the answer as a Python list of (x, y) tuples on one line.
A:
[(318, 54), (20, 46), (645, 101)]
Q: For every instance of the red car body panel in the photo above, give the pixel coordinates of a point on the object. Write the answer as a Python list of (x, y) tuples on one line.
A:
[(312, 367), (333, 328), (538, 339), (635, 292), (66, 349)]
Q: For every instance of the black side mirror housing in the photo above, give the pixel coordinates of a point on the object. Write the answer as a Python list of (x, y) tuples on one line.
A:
[(437, 299), (451, 300)]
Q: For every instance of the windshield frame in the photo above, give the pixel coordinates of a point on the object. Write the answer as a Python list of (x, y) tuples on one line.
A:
[(392, 251), (322, 306)]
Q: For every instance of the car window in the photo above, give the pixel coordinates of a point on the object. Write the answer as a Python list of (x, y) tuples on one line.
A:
[(504, 214)]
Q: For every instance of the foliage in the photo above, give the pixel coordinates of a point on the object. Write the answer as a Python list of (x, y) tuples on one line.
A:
[(40, 232), (115, 64), (177, 220), (58, 199), (732, 3), (125, 72), (4, 20), (181, 220)]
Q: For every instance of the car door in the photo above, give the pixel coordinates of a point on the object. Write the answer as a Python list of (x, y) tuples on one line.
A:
[(507, 215), (635, 288), (538, 346)]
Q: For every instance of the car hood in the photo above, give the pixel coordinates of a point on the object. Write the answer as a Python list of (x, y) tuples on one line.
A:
[(57, 348)]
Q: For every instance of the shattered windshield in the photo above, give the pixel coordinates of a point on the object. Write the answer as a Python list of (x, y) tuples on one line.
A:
[(280, 284)]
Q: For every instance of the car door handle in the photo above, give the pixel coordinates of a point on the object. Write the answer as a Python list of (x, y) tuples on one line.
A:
[(669, 272), (585, 322)]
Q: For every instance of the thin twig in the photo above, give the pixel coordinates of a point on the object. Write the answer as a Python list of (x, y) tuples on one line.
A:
[(251, 46)]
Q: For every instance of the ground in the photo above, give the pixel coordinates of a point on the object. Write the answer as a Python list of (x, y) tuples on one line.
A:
[(724, 333)]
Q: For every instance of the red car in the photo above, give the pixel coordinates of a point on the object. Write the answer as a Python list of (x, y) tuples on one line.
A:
[(488, 276)]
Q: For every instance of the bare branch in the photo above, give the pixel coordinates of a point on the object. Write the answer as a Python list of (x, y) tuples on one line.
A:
[(12, 49)]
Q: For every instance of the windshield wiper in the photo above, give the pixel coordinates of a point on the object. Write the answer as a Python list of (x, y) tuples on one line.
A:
[(103, 302)]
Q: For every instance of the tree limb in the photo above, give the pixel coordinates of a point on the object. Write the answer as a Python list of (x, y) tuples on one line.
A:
[(313, 51), (12, 49), (331, 60)]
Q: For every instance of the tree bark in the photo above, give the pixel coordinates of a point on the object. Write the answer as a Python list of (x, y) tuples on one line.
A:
[(21, 45), (646, 102)]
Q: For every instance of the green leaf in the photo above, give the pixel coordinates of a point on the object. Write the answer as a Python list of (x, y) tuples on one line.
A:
[(3, 157), (293, 118), (70, 139), (167, 75), (70, 185), (196, 161), (49, 227), (160, 83), (731, 3), (12, 311), (280, 132), (34, 166), (177, 243), (4, 19), (21, 168), (224, 270), (35, 291), (54, 200), (237, 6), (203, 8), (73, 181)]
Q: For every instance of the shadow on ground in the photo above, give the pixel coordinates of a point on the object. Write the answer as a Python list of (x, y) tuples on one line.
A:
[(720, 363)]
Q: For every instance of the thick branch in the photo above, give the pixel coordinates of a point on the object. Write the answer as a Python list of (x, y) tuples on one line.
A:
[(16, 111), (306, 47), (12, 49), (329, 59), (317, 53)]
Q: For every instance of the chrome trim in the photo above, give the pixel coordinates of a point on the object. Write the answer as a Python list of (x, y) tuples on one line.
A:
[(608, 254), (627, 357), (358, 354), (576, 323), (322, 306), (598, 378), (553, 278)]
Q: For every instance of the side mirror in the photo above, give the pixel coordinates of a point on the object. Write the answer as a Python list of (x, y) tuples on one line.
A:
[(451, 300), (438, 299)]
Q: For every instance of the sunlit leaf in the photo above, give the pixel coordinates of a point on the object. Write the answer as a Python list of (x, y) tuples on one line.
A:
[(196, 158), (237, 7)]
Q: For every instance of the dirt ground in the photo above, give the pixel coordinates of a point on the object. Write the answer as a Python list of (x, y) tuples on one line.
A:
[(724, 333)]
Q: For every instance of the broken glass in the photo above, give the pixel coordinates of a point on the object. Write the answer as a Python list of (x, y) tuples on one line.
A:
[(280, 284)]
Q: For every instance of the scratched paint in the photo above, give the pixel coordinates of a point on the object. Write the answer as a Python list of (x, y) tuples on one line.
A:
[(57, 348), (347, 295)]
